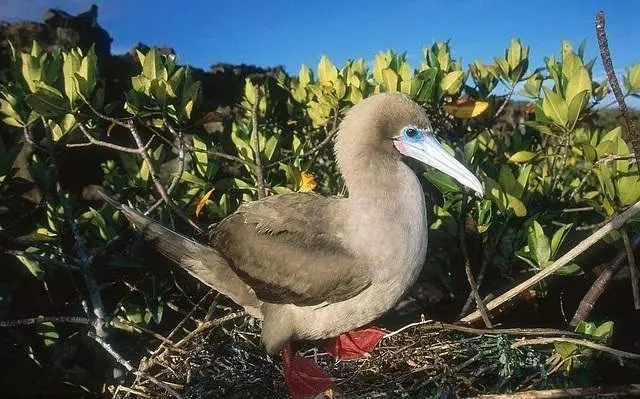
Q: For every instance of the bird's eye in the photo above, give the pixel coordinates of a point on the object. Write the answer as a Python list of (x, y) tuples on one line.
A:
[(412, 132)]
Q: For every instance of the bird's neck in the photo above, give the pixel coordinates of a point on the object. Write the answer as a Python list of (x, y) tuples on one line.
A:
[(386, 215)]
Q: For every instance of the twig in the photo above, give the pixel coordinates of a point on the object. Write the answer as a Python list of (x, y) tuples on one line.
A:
[(122, 361), (45, 319), (434, 325), (506, 101), (467, 265), (85, 261), (615, 86), (485, 263), (614, 224), (255, 138), (583, 342), (600, 284), (93, 140), (156, 180), (208, 325), (613, 391), (174, 183), (633, 269), (330, 135)]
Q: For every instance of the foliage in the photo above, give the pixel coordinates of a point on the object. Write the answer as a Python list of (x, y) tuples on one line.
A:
[(537, 166)]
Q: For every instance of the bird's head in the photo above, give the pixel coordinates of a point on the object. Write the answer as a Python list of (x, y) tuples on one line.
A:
[(391, 126)]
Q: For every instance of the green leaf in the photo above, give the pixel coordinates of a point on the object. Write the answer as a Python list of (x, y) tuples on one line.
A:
[(558, 238), (517, 206), (443, 182), (604, 330), (327, 72), (628, 189), (48, 332), (555, 108), (70, 65), (539, 243), (575, 108), (151, 64), (304, 76), (632, 79), (32, 265), (570, 269), (47, 103), (522, 156), (452, 82)]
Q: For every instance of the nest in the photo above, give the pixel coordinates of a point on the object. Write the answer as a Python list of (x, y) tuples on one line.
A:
[(223, 358)]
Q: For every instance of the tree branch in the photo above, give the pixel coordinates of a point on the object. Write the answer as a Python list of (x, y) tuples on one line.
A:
[(614, 224)]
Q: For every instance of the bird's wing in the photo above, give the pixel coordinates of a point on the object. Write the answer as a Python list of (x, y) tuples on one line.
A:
[(286, 248)]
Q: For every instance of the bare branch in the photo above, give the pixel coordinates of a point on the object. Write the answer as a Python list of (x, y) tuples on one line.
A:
[(603, 43), (467, 265), (582, 342), (614, 224), (124, 363), (633, 269), (313, 150), (154, 177), (597, 391), (45, 319), (597, 288), (258, 169), (93, 140)]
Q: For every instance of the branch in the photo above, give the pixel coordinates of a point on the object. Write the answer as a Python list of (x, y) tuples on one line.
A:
[(615, 86), (93, 140), (85, 261), (582, 342), (45, 319), (633, 269), (330, 135), (122, 361), (597, 391), (154, 177), (467, 265), (600, 284), (174, 183), (614, 224), (258, 169)]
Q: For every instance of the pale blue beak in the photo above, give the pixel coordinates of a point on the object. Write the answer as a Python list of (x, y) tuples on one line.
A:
[(422, 145)]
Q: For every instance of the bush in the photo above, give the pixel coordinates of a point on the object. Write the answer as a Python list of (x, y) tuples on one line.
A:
[(552, 174)]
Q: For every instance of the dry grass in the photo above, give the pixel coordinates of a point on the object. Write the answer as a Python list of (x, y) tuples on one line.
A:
[(222, 357)]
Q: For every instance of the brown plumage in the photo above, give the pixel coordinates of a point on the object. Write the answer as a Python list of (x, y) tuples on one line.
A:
[(313, 267)]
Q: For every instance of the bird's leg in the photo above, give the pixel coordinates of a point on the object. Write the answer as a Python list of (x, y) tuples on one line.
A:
[(304, 378), (355, 344)]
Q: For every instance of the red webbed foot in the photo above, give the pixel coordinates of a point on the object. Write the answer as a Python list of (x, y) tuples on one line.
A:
[(355, 344), (304, 378)]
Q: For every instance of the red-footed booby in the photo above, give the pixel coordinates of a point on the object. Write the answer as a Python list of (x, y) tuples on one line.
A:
[(313, 267)]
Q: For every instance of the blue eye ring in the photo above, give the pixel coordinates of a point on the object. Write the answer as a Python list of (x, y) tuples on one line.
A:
[(411, 132)]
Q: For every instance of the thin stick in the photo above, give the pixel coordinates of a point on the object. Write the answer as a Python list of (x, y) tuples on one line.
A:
[(330, 135), (45, 319), (614, 224), (633, 269), (122, 361), (259, 170), (93, 140), (603, 43), (614, 391), (597, 288), (467, 265), (582, 342), (156, 180)]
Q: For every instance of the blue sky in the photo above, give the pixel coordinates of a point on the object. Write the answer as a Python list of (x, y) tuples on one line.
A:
[(277, 32)]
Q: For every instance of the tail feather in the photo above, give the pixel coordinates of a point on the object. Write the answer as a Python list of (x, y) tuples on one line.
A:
[(201, 261)]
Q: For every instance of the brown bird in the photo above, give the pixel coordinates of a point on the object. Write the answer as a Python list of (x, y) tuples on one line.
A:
[(313, 267)]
